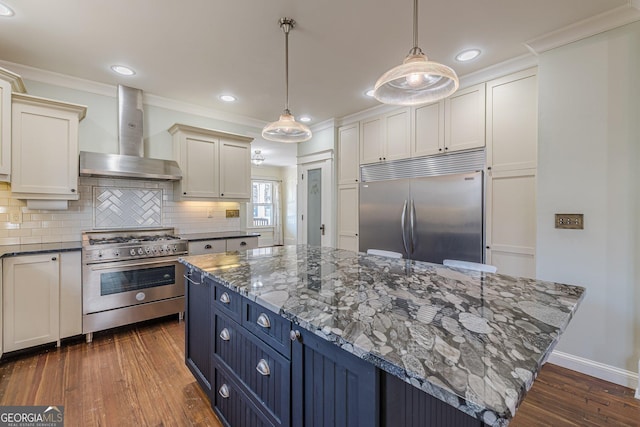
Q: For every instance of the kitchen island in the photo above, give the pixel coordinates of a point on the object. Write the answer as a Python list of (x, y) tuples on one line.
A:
[(421, 344)]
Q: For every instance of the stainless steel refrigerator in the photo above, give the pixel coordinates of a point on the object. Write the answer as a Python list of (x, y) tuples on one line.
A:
[(427, 219)]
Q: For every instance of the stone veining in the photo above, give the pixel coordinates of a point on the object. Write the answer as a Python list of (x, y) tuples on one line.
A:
[(474, 340)]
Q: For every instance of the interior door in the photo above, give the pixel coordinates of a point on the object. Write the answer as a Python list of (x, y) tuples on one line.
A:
[(316, 218)]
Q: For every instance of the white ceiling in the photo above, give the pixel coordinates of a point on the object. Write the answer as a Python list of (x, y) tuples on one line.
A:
[(195, 50)]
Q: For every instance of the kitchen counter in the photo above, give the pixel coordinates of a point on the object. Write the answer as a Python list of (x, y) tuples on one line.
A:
[(194, 237), (471, 339), (38, 248)]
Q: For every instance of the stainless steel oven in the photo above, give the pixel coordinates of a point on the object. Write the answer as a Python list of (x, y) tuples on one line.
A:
[(130, 276)]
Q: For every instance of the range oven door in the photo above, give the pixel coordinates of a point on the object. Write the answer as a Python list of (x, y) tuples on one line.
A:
[(119, 284)]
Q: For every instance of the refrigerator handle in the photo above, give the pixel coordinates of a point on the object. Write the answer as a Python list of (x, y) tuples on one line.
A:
[(412, 225), (404, 228)]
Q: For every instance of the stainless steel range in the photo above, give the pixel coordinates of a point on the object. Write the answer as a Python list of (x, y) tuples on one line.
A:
[(129, 276)]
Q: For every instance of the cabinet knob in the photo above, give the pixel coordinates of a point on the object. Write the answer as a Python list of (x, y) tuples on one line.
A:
[(356, 180), (384, 158), (263, 320), (221, 194), (294, 335), (207, 246), (243, 243), (225, 335), (379, 158), (356, 234), (73, 190), (185, 193), (439, 149), (54, 258), (446, 148), (224, 391), (263, 368), (488, 247), (224, 298)]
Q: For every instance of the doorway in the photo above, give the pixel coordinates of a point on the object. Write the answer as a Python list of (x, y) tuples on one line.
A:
[(315, 184)]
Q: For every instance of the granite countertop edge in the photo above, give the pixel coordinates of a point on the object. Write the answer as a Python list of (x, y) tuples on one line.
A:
[(217, 235), (38, 248)]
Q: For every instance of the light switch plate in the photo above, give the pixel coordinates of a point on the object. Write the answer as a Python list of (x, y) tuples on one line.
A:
[(570, 221), (233, 213)]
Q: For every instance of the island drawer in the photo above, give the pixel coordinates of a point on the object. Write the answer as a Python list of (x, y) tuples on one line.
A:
[(268, 326), (232, 406), (265, 372), (228, 301)]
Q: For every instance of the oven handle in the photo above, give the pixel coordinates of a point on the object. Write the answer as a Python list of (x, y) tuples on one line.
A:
[(109, 266)]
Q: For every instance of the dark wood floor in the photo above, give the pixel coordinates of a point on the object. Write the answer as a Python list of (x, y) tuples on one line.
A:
[(136, 376)]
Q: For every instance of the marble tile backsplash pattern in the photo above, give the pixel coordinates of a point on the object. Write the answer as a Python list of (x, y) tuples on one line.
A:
[(41, 226)]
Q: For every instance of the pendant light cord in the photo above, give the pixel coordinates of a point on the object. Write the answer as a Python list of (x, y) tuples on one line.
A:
[(415, 50), (286, 25)]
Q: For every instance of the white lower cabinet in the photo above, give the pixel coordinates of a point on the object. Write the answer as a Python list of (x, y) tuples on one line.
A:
[(242, 244), (213, 246), (42, 299)]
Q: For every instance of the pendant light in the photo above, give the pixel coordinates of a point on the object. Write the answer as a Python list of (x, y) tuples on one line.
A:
[(257, 158), (286, 129), (417, 80)]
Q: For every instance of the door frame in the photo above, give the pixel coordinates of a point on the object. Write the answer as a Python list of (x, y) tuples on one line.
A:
[(324, 161)]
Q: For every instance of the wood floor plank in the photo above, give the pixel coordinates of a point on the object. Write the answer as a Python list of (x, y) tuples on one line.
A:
[(136, 376)]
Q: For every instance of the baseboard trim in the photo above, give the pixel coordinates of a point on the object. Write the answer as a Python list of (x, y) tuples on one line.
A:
[(596, 369)]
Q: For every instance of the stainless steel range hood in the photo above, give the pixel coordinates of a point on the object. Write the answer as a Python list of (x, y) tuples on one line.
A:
[(130, 163)]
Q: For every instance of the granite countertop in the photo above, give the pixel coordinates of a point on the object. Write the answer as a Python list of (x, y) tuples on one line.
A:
[(38, 248), (474, 340), (194, 237)]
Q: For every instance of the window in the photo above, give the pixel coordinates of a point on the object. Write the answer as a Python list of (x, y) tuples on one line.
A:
[(261, 206)]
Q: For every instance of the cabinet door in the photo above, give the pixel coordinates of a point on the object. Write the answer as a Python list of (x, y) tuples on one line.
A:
[(428, 130), (199, 163), (70, 294), (331, 386), (242, 244), (5, 130), (348, 217), (348, 158), (465, 119), (371, 141), (511, 222), (45, 150), (235, 170), (198, 329), (397, 131), (207, 247), (512, 122), (30, 301)]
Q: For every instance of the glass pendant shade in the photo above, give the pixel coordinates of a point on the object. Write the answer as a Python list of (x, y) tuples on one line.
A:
[(416, 81), (286, 129), (257, 158)]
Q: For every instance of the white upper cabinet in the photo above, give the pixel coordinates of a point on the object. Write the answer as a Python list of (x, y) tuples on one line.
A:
[(214, 164), (9, 82), (428, 127), (465, 119), (348, 158), (512, 122), (45, 148), (387, 137)]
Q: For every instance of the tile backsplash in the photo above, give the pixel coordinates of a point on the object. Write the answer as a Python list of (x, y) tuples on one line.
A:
[(41, 226)]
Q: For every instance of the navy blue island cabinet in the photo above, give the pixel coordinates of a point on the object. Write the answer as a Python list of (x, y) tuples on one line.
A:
[(259, 370)]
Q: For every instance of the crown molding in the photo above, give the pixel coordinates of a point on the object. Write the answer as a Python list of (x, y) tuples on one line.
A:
[(76, 83), (605, 21), (329, 123), (365, 114), (500, 69)]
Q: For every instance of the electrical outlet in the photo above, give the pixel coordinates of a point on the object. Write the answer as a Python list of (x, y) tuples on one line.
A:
[(570, 221), (233, 213), (209, 213), (15, 217)]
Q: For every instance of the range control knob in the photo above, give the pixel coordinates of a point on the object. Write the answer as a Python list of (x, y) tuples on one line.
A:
[(132, 252), (147, 250), (140, 251), (116, 253)]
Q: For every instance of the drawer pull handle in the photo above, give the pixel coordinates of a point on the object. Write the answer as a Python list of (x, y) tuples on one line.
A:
[(243, 243), (225, 335), (263, 320), (224, 298), (263, 368), (224, 391), (207, 246), (294, 335)]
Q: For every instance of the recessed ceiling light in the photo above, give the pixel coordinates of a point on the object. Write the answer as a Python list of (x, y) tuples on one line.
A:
[(468, 55), (304, 119), (5, 10), (369, 93), (228, 98), (122, 70)]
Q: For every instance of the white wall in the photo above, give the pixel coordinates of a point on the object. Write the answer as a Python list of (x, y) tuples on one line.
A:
[(271, 173), (322, 140), (290, 213), (589, 137)]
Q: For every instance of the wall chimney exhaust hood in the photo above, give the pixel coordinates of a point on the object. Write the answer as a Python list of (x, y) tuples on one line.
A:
[(130, 162)]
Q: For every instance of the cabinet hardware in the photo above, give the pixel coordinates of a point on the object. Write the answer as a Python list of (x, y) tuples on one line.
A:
[(439, 149), (379, 158), (446, 148), (224, 298), (263, 368), (54, 258), (224, 391), (488, 247), (225, 335), (207, 246), (488, 168), (185, 193), (73, 190), (243, 243), (190, 279), (294, 335), (263, 320), (222, 194)]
